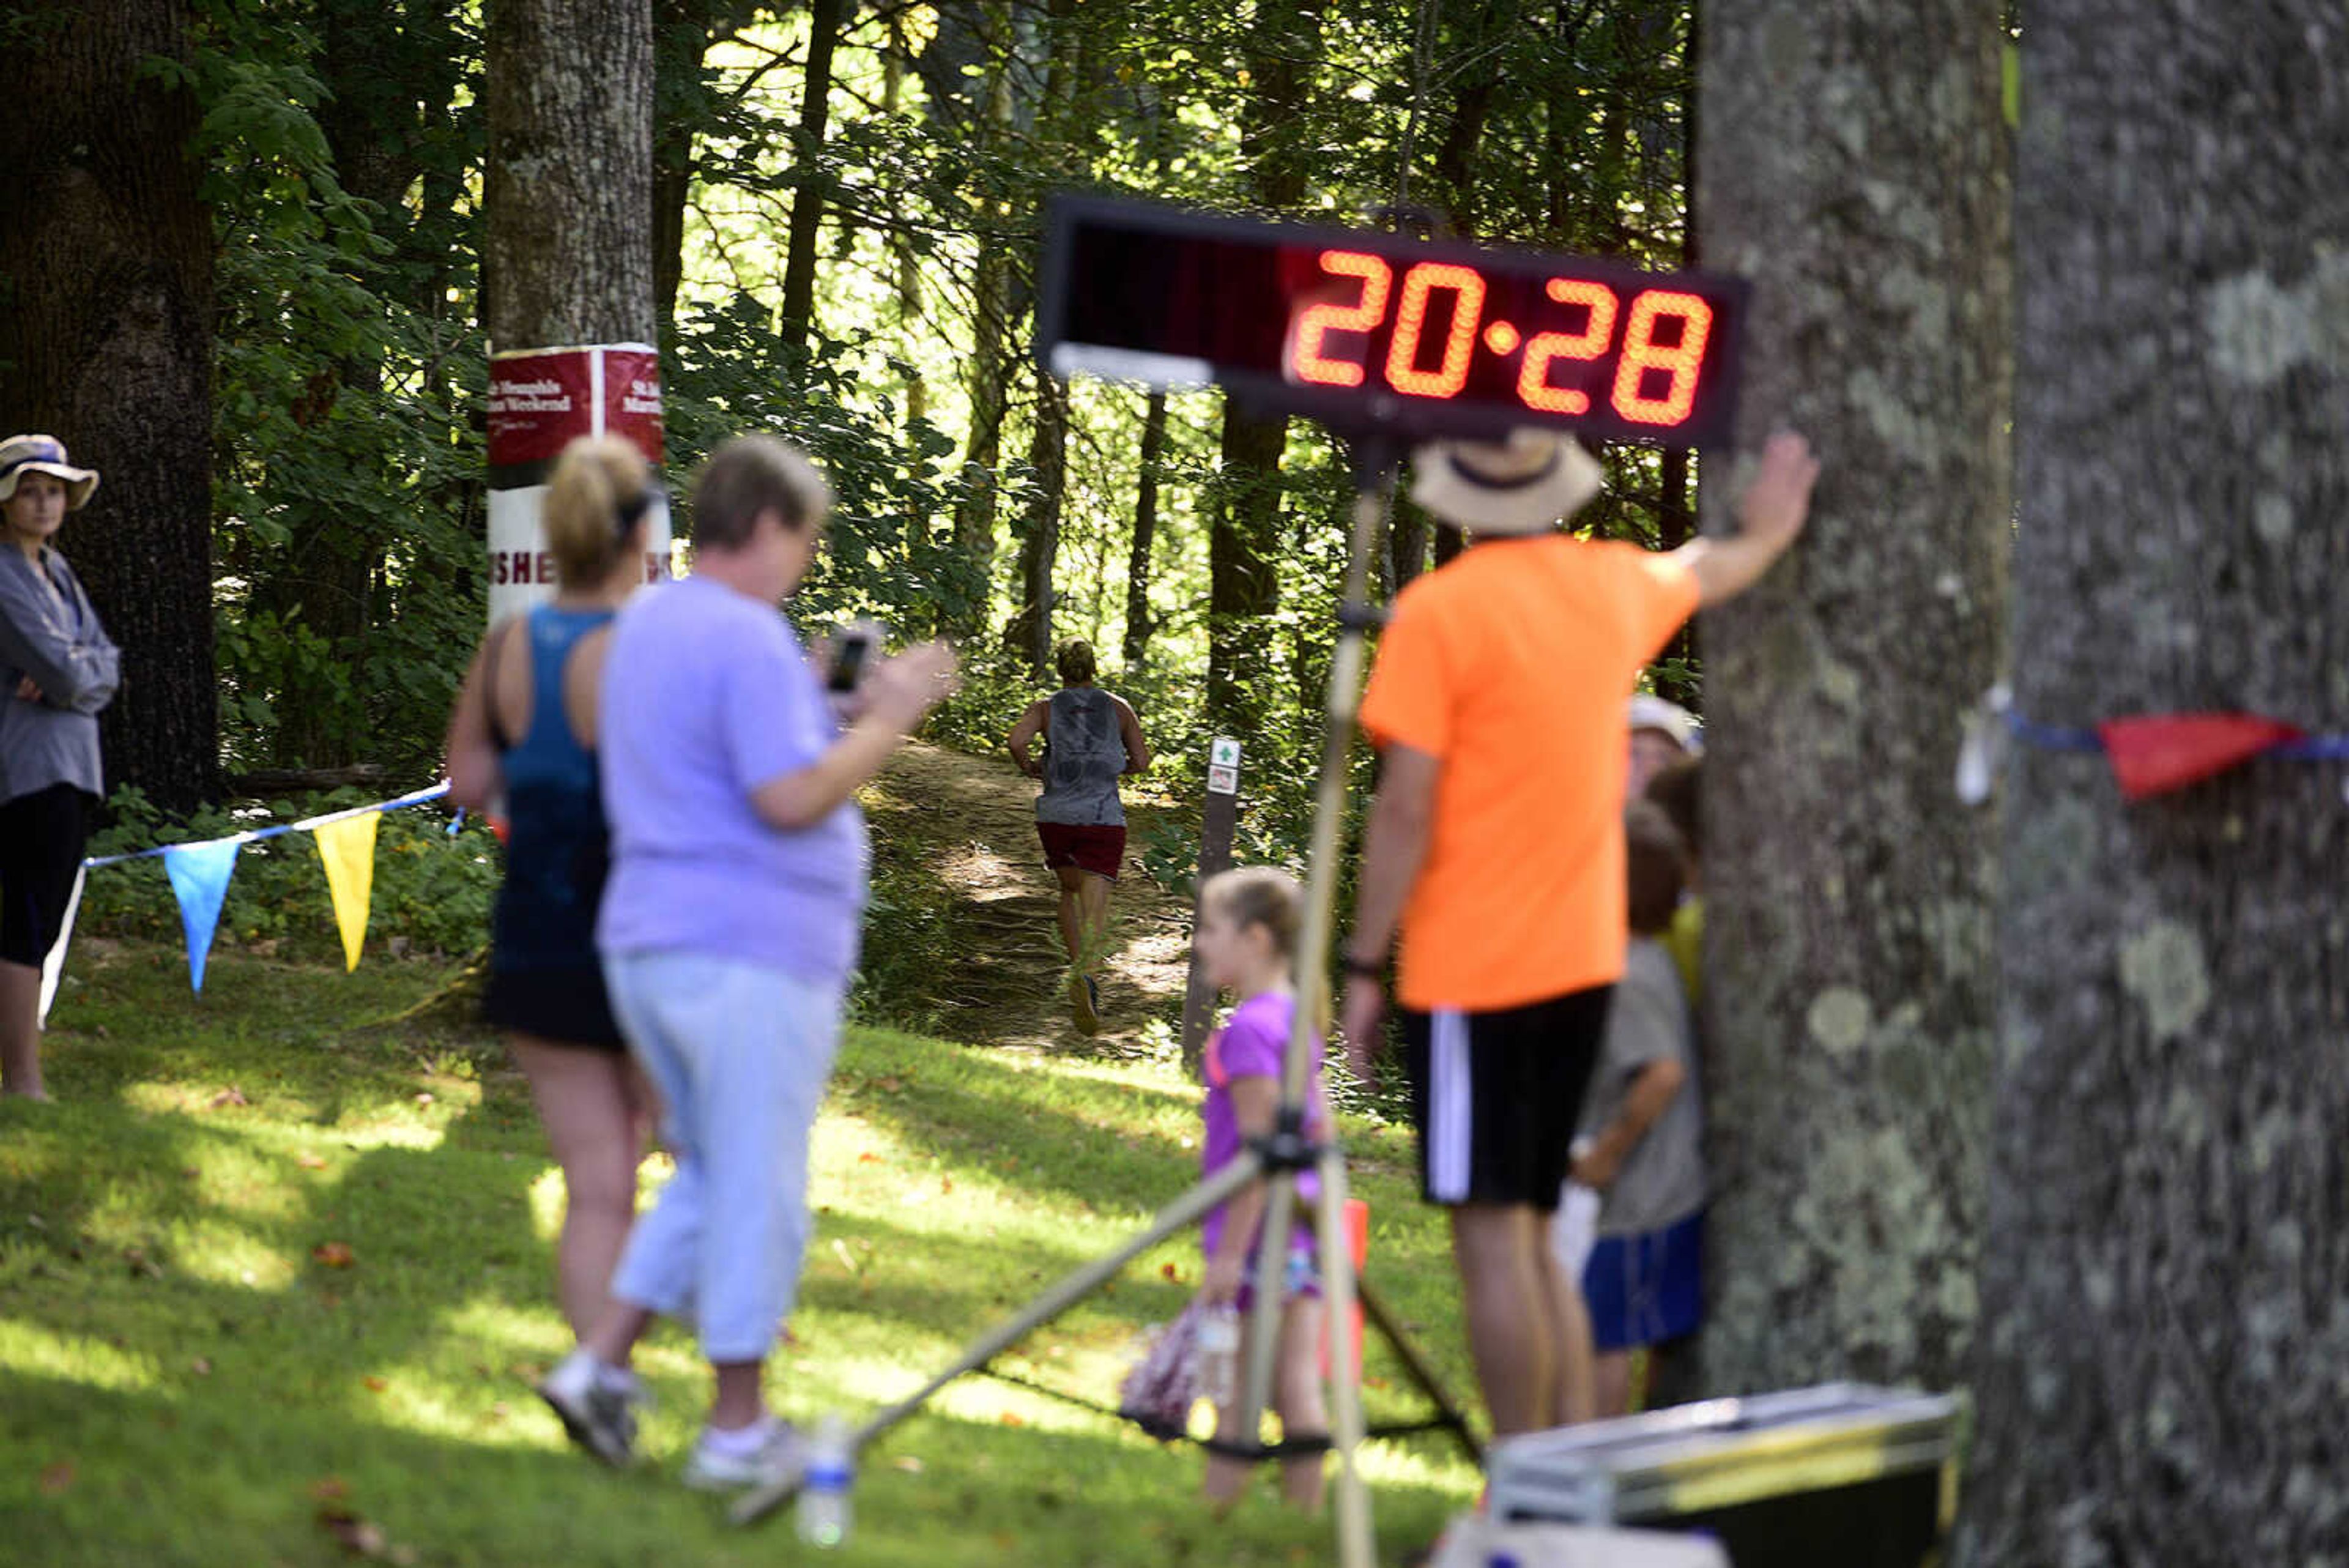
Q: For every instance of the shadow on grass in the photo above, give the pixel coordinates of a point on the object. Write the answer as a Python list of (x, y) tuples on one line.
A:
[(102, 1476)]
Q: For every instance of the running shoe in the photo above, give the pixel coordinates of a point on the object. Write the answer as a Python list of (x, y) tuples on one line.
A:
[(597, 1404), (779, 1460)]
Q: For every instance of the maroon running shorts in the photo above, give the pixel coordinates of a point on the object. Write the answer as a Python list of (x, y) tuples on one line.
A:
[(1095, 849)]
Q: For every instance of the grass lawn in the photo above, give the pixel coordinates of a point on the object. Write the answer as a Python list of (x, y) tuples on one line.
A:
[(276, 1275)]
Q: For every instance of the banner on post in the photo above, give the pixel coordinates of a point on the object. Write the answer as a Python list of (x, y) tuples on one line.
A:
[(541, 399)]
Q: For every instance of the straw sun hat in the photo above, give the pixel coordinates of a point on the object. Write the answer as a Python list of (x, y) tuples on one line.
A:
[(1521, 486), (21, 454)]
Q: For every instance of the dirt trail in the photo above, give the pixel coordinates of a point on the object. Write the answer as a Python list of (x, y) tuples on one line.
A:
[(1008, 983)]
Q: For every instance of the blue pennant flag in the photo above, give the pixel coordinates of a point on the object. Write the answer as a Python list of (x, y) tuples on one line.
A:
[(199, 874)]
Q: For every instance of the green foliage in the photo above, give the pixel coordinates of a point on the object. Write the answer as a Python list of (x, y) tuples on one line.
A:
[(888, 551), (348, 470), (431, 895), (346, 144)]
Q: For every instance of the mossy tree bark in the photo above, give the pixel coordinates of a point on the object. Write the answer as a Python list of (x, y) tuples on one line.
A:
[(2166, 1267), (1855, 167), (570, 176), (106, 254)]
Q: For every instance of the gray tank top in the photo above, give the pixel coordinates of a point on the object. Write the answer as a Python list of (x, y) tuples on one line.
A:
[(1084, 752)]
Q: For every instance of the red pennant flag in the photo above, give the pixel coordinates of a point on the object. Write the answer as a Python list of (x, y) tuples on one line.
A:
[(2164, 751)]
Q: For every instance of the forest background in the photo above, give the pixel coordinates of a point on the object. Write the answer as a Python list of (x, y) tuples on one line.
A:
[(846, 209)]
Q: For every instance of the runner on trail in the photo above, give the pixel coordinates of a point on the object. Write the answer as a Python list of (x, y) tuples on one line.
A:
[(1092, 739)]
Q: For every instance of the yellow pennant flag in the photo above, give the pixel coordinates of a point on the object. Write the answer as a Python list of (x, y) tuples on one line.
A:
[(347, 849)]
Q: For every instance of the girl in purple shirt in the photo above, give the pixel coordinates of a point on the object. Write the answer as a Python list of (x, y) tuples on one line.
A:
[(1246, 941)]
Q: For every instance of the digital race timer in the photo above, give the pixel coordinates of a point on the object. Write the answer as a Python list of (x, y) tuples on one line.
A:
[(1364, 329)]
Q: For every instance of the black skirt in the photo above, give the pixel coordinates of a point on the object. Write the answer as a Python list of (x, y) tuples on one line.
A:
[(563, 1004)]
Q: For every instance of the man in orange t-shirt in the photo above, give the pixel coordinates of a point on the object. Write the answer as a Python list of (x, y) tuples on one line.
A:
[(1496, 843)]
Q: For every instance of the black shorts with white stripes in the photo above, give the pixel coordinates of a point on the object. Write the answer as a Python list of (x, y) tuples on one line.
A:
[(1496, 1096)]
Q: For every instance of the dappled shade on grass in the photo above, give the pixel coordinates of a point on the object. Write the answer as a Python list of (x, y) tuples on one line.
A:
[(301, 1321)]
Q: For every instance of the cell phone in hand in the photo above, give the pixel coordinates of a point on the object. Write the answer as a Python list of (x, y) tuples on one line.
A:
[(852, 648)]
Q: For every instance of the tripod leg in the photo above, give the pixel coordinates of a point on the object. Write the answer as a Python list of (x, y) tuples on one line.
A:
[(1058, 1298), (1271, 1266), (1423, 1372), (1355, 1544)]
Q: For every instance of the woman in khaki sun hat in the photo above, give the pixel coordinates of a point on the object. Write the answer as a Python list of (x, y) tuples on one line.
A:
[(57, 671)]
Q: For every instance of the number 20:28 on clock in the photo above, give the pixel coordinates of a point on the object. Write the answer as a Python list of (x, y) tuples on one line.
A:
[(1366, 329)]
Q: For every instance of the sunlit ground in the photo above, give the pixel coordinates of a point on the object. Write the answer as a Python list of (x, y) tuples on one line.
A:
[(274, 1282)]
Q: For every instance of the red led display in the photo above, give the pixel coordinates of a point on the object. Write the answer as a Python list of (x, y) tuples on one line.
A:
[(1533, 379), (1378, 330), (1315, 322)]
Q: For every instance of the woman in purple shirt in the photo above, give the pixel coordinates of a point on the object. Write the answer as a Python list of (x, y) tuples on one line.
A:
[(728, 931)]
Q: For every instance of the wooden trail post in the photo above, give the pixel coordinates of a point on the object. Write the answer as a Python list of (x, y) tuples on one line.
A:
[(1216, 823)]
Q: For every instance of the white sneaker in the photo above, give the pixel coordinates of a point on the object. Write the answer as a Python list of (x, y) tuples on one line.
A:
[(597, 1404), (779, 1460)]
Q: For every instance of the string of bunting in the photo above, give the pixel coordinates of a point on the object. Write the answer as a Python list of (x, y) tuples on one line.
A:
[(2150, 753), (200, 871)]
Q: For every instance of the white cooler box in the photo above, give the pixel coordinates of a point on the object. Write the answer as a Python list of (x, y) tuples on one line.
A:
[(1844, 1475)]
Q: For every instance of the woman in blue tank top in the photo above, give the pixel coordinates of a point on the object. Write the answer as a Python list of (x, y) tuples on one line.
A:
[(1092, 739), (525, 732)]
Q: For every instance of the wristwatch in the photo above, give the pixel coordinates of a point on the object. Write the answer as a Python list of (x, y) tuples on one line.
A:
[(1368, 969)]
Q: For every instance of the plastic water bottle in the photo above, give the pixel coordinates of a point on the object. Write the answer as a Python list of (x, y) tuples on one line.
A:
[(1220, 1355), (823, 1518)]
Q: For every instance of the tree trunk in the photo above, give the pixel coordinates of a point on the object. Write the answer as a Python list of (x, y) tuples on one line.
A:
[(1244, 530), (1471, 104), (2167, 1260), (990, 325), (378, 65), (682, 40), (569, 181), (1139, 623), (1564, 113), (1029, 630), (1856, 173), (1243, 577), (108, 338), (909, 265), (798, 310), (1407, 532)]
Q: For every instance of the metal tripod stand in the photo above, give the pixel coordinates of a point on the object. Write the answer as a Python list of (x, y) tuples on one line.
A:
[(1277, 1158)]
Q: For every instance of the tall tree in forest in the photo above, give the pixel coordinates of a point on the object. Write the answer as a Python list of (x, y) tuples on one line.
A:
[(1030, 629), (1244, 544), (106, 342), (1140, 623), (1028, 632), (798, 310), (2166, 1268), (569, 183), (1854, 169), (990, 323), (389, 74), (681, 95)]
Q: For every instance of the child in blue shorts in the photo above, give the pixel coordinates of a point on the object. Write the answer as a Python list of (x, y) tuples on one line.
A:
[(1641, 1146)]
